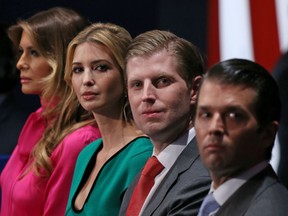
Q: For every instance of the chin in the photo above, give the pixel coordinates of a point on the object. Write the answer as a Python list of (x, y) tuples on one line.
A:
[(29, 92)]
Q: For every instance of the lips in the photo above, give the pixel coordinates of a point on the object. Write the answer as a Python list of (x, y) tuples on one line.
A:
[(151, 113), (24, 80), (214, 145), (89, 95)]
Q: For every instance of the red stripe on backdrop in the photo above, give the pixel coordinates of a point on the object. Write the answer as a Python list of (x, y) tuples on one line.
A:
[(213, 50), (265, 32)]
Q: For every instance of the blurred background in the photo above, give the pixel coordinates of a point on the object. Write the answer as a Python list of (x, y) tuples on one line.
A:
[(253, 29), (222, 29)]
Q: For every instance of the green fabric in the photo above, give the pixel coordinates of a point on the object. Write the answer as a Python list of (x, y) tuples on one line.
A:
[(112, 180)]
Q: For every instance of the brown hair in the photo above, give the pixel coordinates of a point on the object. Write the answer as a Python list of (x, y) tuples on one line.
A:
[(50, 32)]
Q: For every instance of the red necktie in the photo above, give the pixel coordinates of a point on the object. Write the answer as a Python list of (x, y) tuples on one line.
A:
[(151, 169)]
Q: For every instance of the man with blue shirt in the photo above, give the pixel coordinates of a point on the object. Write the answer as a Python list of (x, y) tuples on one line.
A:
[(236, 121)]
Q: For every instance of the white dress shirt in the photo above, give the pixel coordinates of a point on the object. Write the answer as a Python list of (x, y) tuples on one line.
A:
[(228, 188), (167, 158)]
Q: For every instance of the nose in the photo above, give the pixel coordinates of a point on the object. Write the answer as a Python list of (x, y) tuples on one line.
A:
[(22, 62), (217, 125), (88, 79), (148, 92)]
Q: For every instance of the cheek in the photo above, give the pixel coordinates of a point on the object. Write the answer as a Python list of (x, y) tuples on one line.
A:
[(113, 87), (42, 69), (76, 85), (134, 100), (199, 136), (178, 104)]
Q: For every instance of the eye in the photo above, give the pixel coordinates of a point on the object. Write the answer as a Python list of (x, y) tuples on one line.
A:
[(20, 53), (204, 115), (101, 67), (235, 119), (203, 119), (77, 69), (162, 82), (135, 84), (233, 115), (34, 53)]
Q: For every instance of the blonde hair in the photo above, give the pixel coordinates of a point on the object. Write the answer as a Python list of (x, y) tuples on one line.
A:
[(116, 39), (50, 32)]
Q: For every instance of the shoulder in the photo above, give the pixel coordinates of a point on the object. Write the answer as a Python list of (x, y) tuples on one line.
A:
[(189, 162), (74, 142), (86, 154), (271, 199), (84, 134), (273, 190), (140, 145), (92, 147), (261, 195), (35, 121)]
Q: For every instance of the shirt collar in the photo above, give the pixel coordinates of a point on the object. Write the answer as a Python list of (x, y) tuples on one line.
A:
[(224, 191), (170, 154)]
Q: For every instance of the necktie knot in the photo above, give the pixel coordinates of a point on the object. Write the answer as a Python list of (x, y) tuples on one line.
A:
[(152, 167), (208, 206)]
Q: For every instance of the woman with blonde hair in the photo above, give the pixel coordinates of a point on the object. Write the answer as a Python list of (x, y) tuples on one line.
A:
[(105, 168), (37, 177)]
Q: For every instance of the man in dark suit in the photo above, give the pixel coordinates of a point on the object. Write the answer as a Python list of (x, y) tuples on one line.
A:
[(163, 74), (280, 73), (236, 121)]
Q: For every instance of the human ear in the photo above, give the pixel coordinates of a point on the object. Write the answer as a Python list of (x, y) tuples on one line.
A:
[(269, 133), (195, 88)]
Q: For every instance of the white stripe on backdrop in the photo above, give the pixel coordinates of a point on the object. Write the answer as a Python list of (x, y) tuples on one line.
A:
[(235, 29), (282, 20), (236, 36)]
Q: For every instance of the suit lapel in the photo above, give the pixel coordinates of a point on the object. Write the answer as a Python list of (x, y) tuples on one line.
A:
[(184, 162), (241, 199)]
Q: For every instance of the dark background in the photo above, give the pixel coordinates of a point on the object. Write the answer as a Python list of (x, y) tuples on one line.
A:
[(186, 18)]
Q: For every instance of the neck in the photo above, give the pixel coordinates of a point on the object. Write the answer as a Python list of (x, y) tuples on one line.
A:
[(161, 142), (115, 132), (219, 177)]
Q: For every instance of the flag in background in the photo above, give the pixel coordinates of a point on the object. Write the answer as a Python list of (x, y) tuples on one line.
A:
[(250, 29)]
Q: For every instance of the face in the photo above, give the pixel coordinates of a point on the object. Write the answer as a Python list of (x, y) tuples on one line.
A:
[(160, 99), (227, 132), (33, 67), (96, 80)]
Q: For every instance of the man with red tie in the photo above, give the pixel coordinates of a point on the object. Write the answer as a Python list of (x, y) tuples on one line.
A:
[(163, 74)]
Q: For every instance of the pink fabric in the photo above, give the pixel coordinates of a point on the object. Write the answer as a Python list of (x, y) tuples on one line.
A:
[(37, 196)]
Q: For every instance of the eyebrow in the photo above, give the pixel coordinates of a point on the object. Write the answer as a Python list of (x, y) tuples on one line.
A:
[(226, 108), (94, 61), (30, 47)]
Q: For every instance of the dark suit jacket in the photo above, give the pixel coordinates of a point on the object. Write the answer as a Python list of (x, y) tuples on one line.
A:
[(181, 191), (280, 73), (12, 119), (262, 195)]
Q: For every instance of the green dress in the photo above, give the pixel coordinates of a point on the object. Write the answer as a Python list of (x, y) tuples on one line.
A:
[(113, 179)]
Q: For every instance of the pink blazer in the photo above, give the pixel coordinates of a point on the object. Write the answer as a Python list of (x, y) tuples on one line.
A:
[(33, 195)]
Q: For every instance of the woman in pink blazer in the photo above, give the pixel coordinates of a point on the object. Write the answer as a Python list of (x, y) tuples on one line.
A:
[(37, 177)]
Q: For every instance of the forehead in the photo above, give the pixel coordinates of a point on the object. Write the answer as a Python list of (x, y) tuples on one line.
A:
[(90, 52), (155, 64), (213, 93), (25, 39)]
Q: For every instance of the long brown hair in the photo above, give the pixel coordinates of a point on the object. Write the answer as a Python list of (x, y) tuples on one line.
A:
[(50, 32)]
